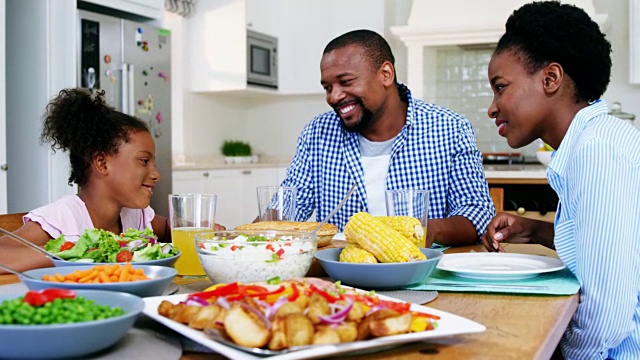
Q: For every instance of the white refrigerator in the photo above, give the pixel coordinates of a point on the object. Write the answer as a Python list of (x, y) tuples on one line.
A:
[(131, 62)]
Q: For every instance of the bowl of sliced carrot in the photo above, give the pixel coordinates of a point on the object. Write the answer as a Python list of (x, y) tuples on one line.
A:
[(141, 280)]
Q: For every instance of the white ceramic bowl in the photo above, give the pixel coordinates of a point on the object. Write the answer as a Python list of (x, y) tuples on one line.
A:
[(544, 157), (226, 257), (160, 278), (73, 339), (378, 276)]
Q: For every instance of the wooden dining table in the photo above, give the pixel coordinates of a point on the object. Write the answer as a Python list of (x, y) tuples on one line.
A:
[(518, 326)]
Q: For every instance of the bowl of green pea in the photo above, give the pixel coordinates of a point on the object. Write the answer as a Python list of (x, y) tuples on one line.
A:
[(60, 323)]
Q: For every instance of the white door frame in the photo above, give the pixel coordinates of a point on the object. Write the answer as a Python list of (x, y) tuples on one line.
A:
[(3, 112)]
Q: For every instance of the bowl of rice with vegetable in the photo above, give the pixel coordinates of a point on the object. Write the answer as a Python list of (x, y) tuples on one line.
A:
[(255, 255)]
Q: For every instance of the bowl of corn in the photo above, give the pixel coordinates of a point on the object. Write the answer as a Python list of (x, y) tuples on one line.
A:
[(378, 276), (380, 254)]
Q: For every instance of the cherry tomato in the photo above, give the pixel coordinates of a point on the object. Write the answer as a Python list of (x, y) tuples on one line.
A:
[(53, 293), (39, 298), (124, 256), (35, 298), (67, 245)]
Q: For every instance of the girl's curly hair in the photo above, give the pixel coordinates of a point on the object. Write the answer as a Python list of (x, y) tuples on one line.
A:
[(547, 31), (80, 122)]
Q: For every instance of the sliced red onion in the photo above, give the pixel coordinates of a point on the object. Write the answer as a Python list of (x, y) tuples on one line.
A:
[(197, 301), (374, 309), (339, 316), (152, 239), (166, 248), (134, 244), (258, 313), (276, 305), (222, 301)]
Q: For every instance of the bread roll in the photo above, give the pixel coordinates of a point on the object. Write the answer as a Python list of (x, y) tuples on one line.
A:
[(325, 234)]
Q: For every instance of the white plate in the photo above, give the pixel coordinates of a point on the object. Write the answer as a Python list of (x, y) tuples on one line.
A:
[(498, 266), (339, 236), (448, 325)]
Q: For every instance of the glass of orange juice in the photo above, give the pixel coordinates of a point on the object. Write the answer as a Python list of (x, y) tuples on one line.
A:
[(190, 214)]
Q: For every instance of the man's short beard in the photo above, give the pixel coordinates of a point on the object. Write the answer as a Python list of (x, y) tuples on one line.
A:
[(365, 122)]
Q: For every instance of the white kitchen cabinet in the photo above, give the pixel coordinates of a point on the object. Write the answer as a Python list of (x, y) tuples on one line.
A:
[(235, 189), (151, 9), (217, 40)]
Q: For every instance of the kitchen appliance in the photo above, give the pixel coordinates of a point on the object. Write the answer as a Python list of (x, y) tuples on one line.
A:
[(262, 59), (131, 62)]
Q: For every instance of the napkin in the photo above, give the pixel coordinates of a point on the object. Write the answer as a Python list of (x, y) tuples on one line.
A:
[(561, 282)]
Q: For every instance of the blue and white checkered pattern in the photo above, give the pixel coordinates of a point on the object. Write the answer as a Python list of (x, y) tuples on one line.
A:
[(436, 151)]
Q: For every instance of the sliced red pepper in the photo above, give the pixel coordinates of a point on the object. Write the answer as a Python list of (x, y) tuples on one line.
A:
[(279, 253), (324, 294), (224, 290), (123, 243), (295, 293), (253, 292), (428, 316), (397, 306)]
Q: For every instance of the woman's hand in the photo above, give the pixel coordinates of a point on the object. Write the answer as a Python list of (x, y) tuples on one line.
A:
[(508, 228)]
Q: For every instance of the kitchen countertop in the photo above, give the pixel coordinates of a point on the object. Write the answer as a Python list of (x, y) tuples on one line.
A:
[(515, 171), (182, 163), (218, 163)]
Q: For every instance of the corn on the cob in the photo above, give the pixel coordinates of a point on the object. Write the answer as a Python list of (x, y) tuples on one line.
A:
[(353, 253), (408, 226), (386, 244)]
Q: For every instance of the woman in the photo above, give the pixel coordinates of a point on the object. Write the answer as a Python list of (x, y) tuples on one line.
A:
[(547, 73)]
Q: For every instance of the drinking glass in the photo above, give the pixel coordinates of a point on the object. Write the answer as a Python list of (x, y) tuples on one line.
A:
[(190, 214), (409, 202), (276, 203)]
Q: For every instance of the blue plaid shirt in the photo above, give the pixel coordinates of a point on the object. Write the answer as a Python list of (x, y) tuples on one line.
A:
[(435, 150)]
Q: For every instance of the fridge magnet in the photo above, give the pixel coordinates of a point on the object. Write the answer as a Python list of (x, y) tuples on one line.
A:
[(107, 59), (163, 75), (157, 132), (145, 73), (159, 118), (147, 105), (139, 37)]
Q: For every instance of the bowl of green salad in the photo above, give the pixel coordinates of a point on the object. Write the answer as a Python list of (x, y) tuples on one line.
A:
[(59, 323), (96, 246)]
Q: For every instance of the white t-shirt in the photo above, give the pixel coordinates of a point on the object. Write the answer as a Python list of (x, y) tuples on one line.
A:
[(375, 157)]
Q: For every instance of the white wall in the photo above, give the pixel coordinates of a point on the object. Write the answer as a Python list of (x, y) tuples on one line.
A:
[(272, 124), (618, 34)]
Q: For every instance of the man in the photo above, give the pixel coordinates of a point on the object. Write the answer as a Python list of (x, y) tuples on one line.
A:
[(379, 137)]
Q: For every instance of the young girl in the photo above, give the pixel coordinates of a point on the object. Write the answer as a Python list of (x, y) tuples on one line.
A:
[(112, 161), (547, 73)]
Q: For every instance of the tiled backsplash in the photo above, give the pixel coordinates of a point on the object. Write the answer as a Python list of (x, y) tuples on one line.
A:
[(463, 87)]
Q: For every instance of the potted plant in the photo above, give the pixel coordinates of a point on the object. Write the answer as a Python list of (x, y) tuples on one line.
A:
[(237, 152)]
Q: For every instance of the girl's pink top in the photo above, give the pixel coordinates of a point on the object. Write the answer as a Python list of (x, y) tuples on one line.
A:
[(69, 216)]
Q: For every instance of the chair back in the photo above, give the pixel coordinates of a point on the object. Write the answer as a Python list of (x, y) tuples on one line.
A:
[(11, 222), (497, 195)]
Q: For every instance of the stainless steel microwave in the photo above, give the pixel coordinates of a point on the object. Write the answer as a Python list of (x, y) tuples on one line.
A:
[(262, 59)]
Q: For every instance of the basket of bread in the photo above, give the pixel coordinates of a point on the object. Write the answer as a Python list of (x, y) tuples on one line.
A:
[(325, 233)]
